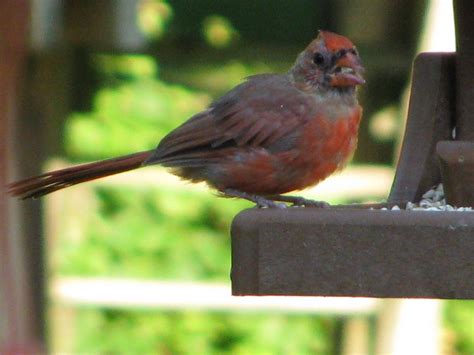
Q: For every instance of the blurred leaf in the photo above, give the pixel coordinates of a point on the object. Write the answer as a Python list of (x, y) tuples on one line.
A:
[(132, 66), (200, 333), (218, 31), (153, 17), (459, 319)]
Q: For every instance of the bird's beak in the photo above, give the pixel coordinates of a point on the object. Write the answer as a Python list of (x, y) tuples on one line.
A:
[(347, 71)]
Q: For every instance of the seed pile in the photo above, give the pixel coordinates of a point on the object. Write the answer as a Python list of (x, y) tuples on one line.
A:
[(432, 200)]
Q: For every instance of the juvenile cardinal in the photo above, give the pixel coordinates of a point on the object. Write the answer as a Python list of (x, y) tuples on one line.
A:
[(272, 134)]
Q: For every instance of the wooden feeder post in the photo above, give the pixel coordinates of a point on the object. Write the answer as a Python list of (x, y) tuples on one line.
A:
[(457, 156), (358, 252)]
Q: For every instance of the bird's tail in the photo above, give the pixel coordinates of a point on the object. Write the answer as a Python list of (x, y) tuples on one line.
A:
[(40, 185)]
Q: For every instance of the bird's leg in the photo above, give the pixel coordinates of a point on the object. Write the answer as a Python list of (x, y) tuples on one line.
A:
[(261, 201), (299, 201)]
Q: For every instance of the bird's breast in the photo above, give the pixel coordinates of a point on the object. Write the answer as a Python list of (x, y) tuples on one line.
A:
[(322, 146)]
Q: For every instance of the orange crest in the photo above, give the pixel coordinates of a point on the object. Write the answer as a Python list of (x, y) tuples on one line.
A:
[(335, 42)]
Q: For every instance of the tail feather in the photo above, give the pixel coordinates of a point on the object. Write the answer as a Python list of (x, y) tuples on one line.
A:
[(41, 185)]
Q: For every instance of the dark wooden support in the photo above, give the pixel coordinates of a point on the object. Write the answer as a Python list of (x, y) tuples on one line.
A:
[(457, 164), (457, 157), (430, 120), (464, 18)]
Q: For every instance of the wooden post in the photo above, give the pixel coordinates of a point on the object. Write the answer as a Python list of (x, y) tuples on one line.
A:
[(464, 18), (457, 157), (20, 325)]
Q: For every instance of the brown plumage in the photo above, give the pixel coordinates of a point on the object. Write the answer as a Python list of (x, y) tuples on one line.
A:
[(270, 135)]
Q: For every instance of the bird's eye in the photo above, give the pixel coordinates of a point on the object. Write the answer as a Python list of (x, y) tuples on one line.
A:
[(318, 58), (341, 53)]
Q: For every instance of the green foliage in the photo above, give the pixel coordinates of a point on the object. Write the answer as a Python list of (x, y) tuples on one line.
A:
[(459, 320), (154, 233), (217, 79), (191, 332), (132, 66), (149, 109), (173, 234), (218, 31), (154, 17)]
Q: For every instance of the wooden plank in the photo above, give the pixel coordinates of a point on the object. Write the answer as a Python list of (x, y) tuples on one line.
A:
[(358, 253)]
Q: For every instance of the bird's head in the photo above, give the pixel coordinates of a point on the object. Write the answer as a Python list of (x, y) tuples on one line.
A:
[(330, 62)]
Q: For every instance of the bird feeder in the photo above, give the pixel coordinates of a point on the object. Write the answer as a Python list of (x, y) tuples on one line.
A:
[(362, 252)]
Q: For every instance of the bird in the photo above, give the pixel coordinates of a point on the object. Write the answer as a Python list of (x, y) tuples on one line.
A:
[(270, 135)]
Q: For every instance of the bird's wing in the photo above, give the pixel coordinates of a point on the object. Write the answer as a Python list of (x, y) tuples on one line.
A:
[(266, 111), (257, 113)]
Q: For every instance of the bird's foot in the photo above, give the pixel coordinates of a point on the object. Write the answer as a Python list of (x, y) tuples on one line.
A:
[(271, 200), (299, 201), (260, 201)]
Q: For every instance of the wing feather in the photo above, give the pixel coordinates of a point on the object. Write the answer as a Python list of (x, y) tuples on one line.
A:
[(257, 113)]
